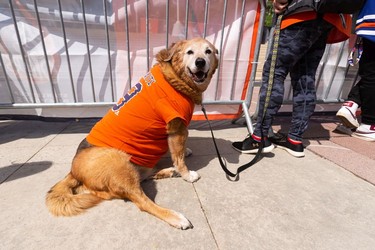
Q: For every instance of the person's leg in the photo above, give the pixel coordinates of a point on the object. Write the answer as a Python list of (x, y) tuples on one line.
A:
[(367, 92), (354, 95), (348, 111), (367, 83), (294, 41), (303, 83), (251, 143), (304, 98)]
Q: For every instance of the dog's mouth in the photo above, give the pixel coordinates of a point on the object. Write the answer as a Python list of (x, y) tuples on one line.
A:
[(198, 76)]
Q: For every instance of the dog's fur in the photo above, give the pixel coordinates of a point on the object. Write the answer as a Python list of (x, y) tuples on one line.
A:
[(100, 173)]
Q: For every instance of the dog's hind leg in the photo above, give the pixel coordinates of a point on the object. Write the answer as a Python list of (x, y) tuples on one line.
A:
[(112, 176), (127, 186), (173, 218)]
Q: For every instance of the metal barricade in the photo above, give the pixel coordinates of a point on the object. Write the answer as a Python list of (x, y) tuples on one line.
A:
[(80, 53)]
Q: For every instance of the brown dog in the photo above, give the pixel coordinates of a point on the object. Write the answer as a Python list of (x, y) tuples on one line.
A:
[(124, 146)]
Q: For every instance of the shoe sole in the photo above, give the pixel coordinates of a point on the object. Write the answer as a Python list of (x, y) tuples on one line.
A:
[(363, 137), (347, 123), (293, 153), (254, 151)]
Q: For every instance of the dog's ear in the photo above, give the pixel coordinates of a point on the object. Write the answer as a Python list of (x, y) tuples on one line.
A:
[(166, 55), (171, 51)]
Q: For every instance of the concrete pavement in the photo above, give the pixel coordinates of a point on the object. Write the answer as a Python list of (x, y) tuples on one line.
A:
[(325, 200)]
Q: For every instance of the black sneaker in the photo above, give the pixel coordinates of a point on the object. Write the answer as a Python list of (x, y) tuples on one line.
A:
[(285, 143), (251, 146)]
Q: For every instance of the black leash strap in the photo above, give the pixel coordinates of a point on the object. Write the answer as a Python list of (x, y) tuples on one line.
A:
[(269, 89), (222, 164)]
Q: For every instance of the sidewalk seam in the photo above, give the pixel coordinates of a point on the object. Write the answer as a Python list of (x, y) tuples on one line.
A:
[(208, 223)]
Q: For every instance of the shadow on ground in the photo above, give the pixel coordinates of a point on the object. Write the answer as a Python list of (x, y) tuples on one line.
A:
[(17, 171)]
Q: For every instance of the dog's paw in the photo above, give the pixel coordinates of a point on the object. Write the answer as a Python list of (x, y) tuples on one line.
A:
[(180, 221), (191, 177)]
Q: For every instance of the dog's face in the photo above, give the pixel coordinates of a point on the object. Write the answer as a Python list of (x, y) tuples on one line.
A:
[(194, 60), (199, 57)]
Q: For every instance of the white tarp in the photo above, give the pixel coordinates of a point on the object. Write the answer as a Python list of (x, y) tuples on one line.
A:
[(227, 84)]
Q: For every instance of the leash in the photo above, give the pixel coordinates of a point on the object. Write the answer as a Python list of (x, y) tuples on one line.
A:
[(268, 95)]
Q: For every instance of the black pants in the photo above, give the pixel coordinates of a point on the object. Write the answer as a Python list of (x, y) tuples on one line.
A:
[(363, 93), (301, 47)]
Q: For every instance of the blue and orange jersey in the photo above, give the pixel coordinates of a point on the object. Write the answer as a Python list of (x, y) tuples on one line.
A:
[(365, 24), (137, 123)]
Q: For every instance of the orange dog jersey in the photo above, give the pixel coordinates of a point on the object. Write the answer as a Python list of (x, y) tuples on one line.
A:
[(137, 123)]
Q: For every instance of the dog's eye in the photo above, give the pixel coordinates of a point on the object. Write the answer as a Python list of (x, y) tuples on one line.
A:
[(208, 51), (190, 52)]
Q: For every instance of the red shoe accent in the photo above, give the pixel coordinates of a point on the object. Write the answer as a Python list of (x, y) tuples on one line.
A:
[(257, 138), (294, 141), (348, 104)]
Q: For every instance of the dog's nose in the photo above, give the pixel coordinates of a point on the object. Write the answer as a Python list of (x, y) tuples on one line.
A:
[(200, 62)]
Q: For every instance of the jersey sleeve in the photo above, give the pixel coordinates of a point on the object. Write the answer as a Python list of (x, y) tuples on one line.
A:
[(168, 110)]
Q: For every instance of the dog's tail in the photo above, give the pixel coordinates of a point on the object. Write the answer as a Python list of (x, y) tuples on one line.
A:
[(61, 200)]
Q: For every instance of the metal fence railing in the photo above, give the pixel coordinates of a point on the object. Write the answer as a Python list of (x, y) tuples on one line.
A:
[(80, 53)]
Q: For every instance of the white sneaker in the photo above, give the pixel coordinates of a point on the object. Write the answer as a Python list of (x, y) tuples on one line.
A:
[(347, 114), (365, 132)]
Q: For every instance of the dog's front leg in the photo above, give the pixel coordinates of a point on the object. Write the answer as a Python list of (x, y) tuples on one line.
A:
[(177, 135)]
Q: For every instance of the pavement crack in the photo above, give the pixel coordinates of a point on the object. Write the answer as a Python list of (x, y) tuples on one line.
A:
[(205, 216)]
